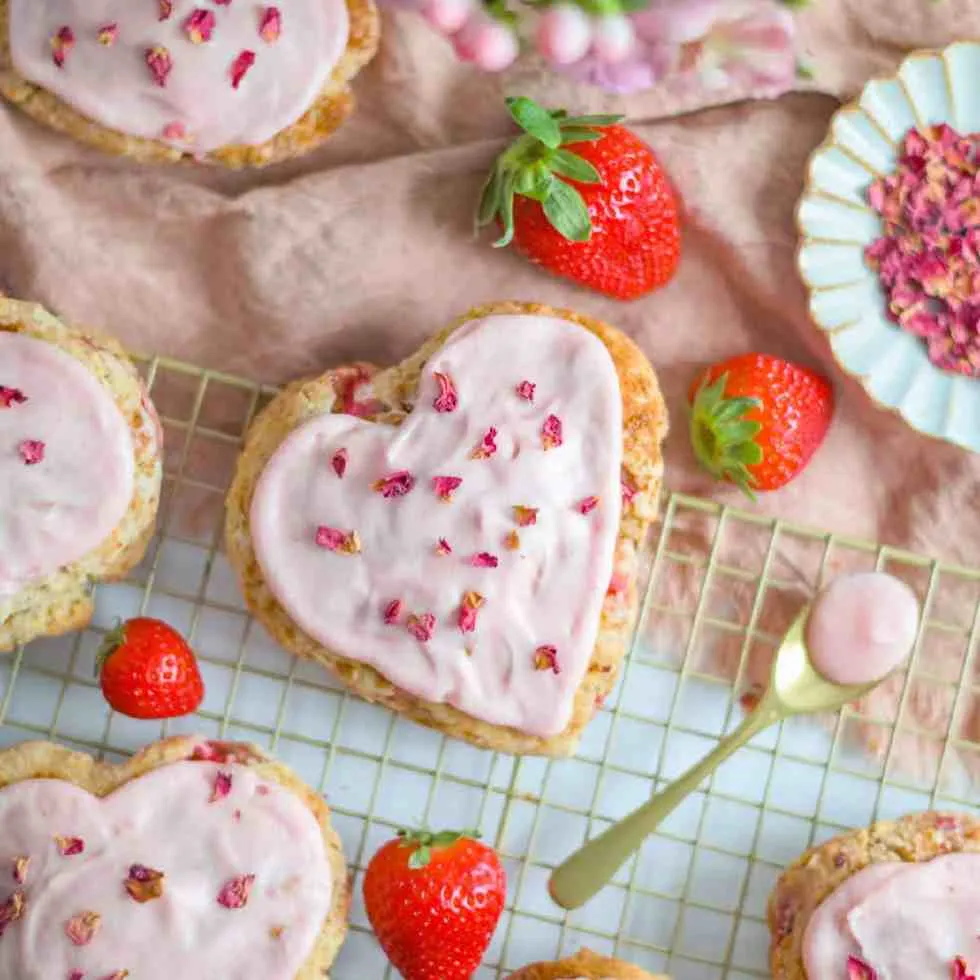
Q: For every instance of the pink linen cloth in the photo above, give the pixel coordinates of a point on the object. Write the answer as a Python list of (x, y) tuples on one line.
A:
[(363, 249)]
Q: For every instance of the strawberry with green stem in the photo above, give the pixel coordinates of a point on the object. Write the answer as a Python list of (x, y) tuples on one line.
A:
[(434, 901), (602, 214), (757, 420)]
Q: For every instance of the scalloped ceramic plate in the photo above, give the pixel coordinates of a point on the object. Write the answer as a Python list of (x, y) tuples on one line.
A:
[(846, 300)]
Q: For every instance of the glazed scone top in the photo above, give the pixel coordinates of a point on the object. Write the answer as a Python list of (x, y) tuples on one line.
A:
[(899, 921), (484, 593), (196, 74), (244, 891), (66, 461)]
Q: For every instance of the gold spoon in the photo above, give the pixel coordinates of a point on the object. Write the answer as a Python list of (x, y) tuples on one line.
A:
[(795, 688)]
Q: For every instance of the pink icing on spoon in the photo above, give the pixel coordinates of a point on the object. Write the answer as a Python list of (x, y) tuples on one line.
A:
[(862, 627)]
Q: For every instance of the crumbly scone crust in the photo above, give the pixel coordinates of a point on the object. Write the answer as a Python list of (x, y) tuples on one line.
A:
[(62, 601), (812, 877), (46, 760), (332, 106), (644, 427), (585, 963)]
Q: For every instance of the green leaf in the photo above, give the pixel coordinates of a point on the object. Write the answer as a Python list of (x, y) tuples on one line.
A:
[(535, 120), (736, 432), (489, 201), (567, 213), (599, 120), (506, 210), (569, 164), (420, 857), (576, 134), (730, 409), (749, 453)]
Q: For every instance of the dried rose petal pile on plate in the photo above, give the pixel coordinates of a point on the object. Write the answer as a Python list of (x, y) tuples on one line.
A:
[(929, 257)]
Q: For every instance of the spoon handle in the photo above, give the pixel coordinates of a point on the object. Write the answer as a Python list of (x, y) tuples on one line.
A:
[(585, 872)]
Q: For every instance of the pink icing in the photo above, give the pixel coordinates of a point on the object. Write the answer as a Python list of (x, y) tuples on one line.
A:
[(165, 822), (905, 921), (198, 108), (547, 591), (55, 511), (862, 627)]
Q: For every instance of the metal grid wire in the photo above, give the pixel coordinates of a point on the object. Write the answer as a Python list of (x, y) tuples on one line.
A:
[(719, 586)]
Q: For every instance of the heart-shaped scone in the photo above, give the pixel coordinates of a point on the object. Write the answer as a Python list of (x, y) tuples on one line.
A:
[(194, 860), (80, 471), (467, 555), (242, 84), (584, 965)]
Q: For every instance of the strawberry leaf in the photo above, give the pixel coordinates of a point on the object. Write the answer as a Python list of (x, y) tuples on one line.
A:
[(567, 213), (571, 165), (597, 120), (575, 134), (535, 120), (506, 211), (489, 201)]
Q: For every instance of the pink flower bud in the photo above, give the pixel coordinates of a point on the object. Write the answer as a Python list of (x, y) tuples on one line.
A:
[(564, 34)]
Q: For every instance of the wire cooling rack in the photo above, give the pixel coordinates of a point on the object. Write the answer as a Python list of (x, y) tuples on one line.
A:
[(719, 587)]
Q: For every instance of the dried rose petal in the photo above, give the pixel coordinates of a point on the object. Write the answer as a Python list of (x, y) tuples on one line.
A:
[(525, 516), (160, 64), (546, 658), (488, 445), (21, 867), (11, 396), (340, 542), (444, 486), (270, 24), (76, 975), (222, 786), (31, 451), (587, 505), (12, 910), (484, 559), (512, 541), (857, 969), (525, 390), (276, 932), (551, 434), (199, 25), (443, 547), (393, 612), (946, 821), (69, 846), (339, 462), (175, 132), (395, 484), (472, 602), (421, 626), (447, 400), (107, 35), (627, 489), (222, 3), (234, 893), (240, 67), (61, 45), (959, 970), (118, 975), (166, 9), (144, 884), (81, 928)]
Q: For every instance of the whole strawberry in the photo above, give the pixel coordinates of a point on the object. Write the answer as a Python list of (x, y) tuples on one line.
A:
[(604, 215), (757, 420), (147, 670), (434, 900)]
